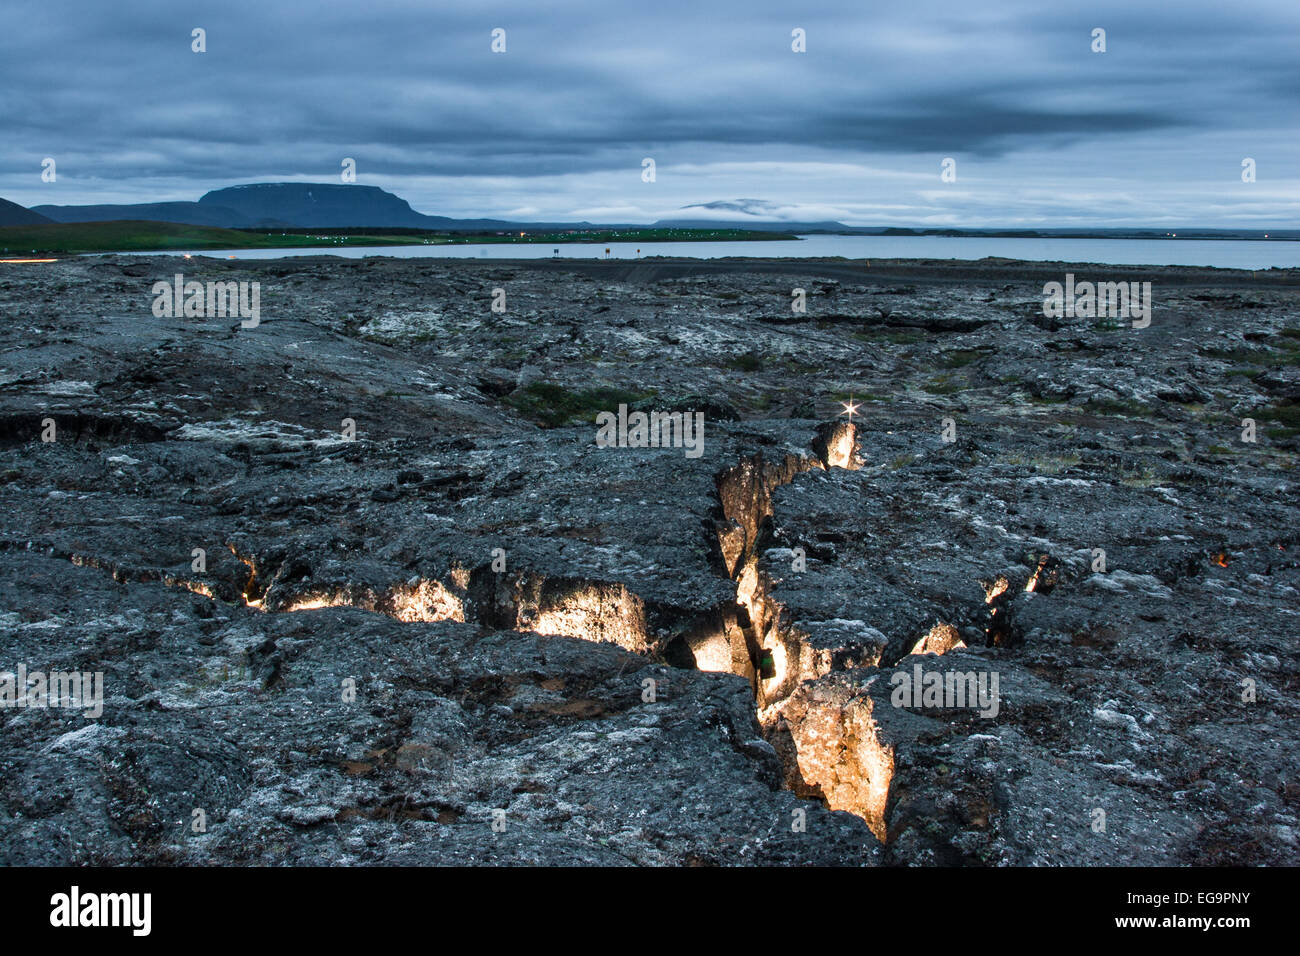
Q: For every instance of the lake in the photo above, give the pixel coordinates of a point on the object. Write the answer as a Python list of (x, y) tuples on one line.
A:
[(1224, 253)]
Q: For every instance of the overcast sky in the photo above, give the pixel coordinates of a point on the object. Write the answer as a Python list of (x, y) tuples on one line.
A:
[(1043, 130)]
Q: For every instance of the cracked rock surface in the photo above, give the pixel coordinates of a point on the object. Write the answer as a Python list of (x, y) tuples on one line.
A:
[(470, 635)]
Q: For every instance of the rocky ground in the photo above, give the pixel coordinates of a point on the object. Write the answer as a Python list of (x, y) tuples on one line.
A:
[(463, 633)]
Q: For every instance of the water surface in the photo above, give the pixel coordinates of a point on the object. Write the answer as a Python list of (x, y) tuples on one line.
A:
[(1224, 253)]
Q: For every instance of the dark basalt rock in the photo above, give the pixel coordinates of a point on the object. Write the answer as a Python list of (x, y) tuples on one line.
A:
[(360, 651)]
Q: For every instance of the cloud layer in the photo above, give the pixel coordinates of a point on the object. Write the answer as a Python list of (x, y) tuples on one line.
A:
[(1043, 130)]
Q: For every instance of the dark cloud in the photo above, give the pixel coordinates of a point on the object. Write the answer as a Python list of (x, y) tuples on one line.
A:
[(586, 89)]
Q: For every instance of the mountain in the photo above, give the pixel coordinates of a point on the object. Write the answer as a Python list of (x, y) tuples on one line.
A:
[(316, 204), (761, 226), (185, 213), (300, 206), (292, 206), (12, 214), (760, 215)]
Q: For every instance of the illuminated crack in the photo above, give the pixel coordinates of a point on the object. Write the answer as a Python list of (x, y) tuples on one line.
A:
[(834, 750), (419, 600), (751, 637), (831, 755), (776, 652)]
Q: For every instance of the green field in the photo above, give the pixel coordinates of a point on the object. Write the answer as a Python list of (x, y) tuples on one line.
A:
[(135, 236)]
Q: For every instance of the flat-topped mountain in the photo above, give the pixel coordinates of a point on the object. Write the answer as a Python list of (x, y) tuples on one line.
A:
[(287, 205), (316, 204)]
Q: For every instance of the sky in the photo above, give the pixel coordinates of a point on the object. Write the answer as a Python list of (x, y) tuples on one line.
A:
[(1043, 130)]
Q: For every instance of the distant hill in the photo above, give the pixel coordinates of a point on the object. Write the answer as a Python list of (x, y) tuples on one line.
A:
[(184, 213), (291, 206), (12, 214), (765, 226), (838, 228), (306, 206)]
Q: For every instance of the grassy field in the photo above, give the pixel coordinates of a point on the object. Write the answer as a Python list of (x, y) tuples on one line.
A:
[(135, 236)]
